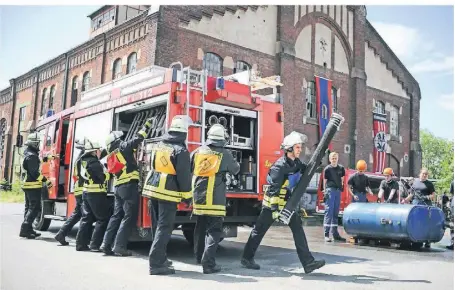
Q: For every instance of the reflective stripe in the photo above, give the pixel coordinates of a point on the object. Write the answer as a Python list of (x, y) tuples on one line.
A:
[(32, 185), (78, 190), (125, 177), (142, 133), (161, 192), (94, 187), (209, 208)]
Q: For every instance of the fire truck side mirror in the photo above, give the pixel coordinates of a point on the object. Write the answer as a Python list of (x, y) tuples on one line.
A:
[(19, 140)]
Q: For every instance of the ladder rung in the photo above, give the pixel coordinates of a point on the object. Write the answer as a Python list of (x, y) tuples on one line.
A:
[(196, 107), (196, 125), (197, 143)]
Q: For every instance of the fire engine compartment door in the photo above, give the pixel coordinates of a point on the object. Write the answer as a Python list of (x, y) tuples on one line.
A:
[(94, 127)]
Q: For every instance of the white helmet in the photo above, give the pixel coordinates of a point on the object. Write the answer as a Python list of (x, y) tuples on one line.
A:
[(180, 123), (114, 135), (216, 132), (33, 139), (80, 143), (292, 139), (91, 146)]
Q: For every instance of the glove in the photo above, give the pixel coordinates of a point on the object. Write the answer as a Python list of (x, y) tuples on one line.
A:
[(275, 215), (149, 122), (187, 202), (49, 184)]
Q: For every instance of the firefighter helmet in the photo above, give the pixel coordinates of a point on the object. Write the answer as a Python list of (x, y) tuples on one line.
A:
[(112, 137), (292, 139), (361, 165), (180, 123), (91, 146), (33, 140), (216, 132), (388, 171), (80, 143)]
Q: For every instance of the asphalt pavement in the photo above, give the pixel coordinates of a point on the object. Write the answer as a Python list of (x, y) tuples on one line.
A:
[(43, 264)]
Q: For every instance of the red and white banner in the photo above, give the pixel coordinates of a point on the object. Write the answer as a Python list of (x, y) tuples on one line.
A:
[(380, 142)]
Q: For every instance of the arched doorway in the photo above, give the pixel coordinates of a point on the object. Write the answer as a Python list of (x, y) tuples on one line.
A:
[(394, 163)]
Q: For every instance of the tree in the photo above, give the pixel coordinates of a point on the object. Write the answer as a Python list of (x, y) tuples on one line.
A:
[(437, 157)]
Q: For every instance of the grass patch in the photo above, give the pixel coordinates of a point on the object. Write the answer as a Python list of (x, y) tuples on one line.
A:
[(16, 195)]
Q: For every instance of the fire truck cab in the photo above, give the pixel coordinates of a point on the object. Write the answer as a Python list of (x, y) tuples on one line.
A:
[(254, 122)]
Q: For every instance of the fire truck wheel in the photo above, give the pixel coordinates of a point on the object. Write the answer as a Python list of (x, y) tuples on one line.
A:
[(41, 223)]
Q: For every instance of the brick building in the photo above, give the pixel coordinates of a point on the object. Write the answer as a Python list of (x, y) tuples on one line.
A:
[(295, 42)]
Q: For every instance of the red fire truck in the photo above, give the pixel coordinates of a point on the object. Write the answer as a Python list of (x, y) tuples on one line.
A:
[(254, 121)]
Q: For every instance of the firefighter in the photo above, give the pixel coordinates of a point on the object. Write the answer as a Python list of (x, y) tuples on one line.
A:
[(209, 164), (126, 205), (333, 186), (389, 187), (358, 183), (32, 184), (95, 205), (275, 200), (167, 184), (78, 189)]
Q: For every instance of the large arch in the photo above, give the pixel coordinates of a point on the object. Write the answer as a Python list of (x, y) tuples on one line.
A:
[(319, 17)]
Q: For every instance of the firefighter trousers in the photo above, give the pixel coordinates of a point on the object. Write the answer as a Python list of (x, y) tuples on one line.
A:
[(212, 227), (200, 232), (73, 219), (32, 208), (95, 206), (123, 220), (163, 217), (264, 222), (332, 208)]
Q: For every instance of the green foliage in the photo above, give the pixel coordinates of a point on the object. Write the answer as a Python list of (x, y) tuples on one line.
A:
[(437, 157), (15, 195)]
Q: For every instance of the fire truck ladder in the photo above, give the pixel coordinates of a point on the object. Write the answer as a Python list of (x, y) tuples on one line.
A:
[(195, 81)]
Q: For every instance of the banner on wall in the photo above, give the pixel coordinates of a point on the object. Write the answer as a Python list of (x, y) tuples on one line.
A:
[(323, 104), (379, 141)]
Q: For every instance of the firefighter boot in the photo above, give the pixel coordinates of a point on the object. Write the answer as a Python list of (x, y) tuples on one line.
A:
[(316, 264), (36, 234), (162, 271), (250, 264), (106, 250), (211, 270), (59, 237), (27, 232)]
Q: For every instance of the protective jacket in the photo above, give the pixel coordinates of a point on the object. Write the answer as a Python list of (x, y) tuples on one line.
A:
[(170, 176), (78, 179), (124, 152), (209, 164), (31, 165), (278, 191), (94, 175)]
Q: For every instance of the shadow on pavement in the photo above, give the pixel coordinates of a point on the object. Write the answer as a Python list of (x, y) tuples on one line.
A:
[(357, 279)]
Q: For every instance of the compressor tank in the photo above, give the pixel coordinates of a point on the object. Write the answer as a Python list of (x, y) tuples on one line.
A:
[(394, 222)]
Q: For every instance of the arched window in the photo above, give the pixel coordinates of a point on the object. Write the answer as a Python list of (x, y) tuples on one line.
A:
[(117, 69), (43, 101), (213, 64), (51, 97), (380, 107), (132, 63), (394, 127), (85, 81), (2, 137), (74, 91), (334, 100), (311, 100), (241, 66)]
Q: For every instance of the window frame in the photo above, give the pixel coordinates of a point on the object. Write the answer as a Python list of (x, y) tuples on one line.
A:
[(117, 75), (209, 64), (238, 68), (334, 99), (43, 101), (51, 97), (394, 122), (85, 81), (376, 107), (311, 100), (131, 68)]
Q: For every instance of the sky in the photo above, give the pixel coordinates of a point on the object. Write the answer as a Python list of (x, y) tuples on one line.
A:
[(421, 36)]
